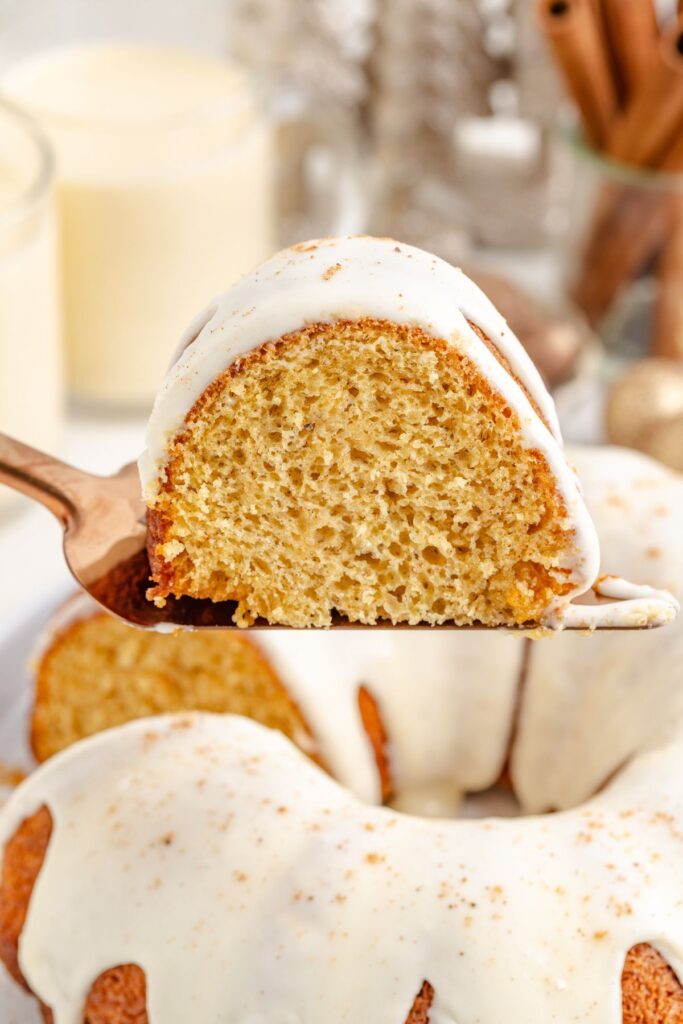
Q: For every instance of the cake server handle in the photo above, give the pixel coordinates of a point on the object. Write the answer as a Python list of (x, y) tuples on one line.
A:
[(55, 484)]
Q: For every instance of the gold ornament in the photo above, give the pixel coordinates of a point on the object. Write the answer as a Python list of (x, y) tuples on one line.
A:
[(648, 393), (664, 441)]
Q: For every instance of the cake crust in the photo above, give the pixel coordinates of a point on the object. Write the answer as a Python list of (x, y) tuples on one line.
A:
[(373, 724)]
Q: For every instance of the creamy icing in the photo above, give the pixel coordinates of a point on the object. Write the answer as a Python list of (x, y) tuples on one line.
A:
[(637, 606), (252, 888), (446, 701), (619, 689), (377, 277)]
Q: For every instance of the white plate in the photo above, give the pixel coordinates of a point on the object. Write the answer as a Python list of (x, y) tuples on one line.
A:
[(18, 635)]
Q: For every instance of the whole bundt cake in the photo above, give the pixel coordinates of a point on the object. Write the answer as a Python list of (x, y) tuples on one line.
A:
[(199, 868), (566, 904), (353, 431)]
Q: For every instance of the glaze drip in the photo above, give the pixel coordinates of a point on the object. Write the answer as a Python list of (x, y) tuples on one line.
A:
[(250, 887)]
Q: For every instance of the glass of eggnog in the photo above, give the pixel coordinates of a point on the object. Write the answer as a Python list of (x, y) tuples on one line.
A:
[(164, 190), (30, 323)]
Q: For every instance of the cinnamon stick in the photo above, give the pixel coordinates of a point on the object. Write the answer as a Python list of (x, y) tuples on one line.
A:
[(628, 238), (651, 124), (575, 34), (633, 36), (610, 51), (596, 290), (673, 159), (668, 326)]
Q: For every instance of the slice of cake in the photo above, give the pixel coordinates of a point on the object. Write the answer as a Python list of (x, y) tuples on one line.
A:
[(353, 431), (388, 715), (94, 672)]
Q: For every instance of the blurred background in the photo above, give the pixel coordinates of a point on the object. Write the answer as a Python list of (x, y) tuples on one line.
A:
[(151, 151)]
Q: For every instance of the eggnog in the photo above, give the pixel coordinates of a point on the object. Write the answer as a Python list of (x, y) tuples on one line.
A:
[(164, 192), (30, 336)]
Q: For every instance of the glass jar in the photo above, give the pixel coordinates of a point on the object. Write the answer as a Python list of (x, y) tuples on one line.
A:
[(31, 383), (624, 254)]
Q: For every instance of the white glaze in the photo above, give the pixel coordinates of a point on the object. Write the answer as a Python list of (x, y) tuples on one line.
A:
[(446, 701), (635, 606), (380, 278), (251, 888), (590, 702)]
